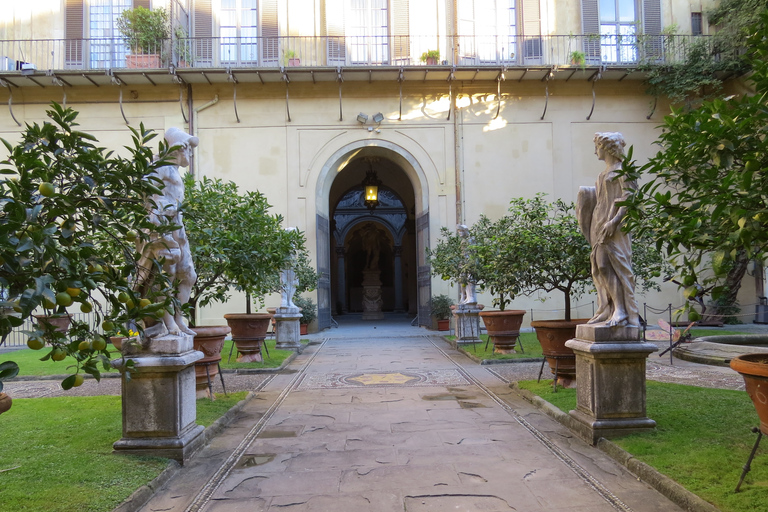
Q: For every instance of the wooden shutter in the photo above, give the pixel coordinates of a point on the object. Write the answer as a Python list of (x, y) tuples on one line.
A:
[(590, 27), (73, 32), (334, 29), (270, 31), (652, 27), (532, 51), (401, 31), (202, 31)]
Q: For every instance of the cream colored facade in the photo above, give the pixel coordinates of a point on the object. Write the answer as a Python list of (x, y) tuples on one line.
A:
[(456, 140)]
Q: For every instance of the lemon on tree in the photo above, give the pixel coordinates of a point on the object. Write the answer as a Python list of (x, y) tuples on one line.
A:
[(63, 299), (86, 307), (46, 189), (99, 343), (35, 343), (58, 354), (79, 379)]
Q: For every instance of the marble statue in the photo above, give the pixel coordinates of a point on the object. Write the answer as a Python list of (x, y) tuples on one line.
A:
[(372, 247), (467, 286), (600, 220), (172, 248), (289, 282)]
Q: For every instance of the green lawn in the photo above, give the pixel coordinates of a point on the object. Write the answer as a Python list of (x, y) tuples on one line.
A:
[(702, 440), (530, 344), (55, 453), (30, 364)]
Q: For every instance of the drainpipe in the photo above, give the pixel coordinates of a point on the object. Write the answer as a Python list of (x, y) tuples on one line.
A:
[(456, 128), (193, 128)]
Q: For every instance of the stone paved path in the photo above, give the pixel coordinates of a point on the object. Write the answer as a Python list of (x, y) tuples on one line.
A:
[(394, 420)]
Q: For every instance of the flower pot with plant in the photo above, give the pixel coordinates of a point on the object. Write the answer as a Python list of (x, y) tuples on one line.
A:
[(578, 58), (441, 310), (430, 57), (183, 47), (145, 32), (236, 244), (308, 312), (290, 58)]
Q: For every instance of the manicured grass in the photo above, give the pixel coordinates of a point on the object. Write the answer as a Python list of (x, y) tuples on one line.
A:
[(702, 441), (56, 453), (30, 364), (274, 360), (528, 340)]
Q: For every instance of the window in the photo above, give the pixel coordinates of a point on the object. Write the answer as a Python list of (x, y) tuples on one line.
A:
[(239, 23), (368, 32), (107, 47), (696, 24), (488, 31), (618, 30), (615, 25)]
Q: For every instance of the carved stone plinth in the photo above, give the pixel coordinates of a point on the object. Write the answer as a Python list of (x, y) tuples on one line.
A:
[(467, 323), (159, 409), (287, 328), (372, 301), (610, 382)]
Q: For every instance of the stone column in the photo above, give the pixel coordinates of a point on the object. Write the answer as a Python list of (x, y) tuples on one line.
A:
[(398, 279), (341, 286), (159, 409), (467, 323), (610, 381), (287, 329)]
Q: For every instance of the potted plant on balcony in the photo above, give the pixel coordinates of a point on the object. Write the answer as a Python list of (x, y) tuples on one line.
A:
[(308, 312), (291, 59), (430, 57), (144, 31), (235, 244), (182, 45), (441, 310), (578, 58)]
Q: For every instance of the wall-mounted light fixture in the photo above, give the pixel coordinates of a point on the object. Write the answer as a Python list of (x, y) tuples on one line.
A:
[(371, 185), (362, 118), (378, 118)]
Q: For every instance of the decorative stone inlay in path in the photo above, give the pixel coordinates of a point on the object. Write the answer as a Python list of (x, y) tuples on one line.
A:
[(383, 379)]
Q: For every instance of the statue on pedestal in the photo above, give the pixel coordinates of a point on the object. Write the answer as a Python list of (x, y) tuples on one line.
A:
[(289, 282), (600, 219), (172, 247), (467, 285)]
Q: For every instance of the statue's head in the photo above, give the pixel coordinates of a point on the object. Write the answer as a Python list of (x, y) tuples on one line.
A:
[(612, 143), (462, 229), (177, 137)]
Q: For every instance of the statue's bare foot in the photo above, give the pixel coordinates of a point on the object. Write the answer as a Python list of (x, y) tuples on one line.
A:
[(619, 319), (600, 317)]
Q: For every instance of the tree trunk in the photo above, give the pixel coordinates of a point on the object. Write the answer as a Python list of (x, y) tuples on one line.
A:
[(733, 281)]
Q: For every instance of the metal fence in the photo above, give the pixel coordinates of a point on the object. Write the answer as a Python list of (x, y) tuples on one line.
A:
[(349, 51), (18, 337)]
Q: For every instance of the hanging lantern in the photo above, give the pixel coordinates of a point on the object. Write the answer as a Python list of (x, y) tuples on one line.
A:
[(371, 185)]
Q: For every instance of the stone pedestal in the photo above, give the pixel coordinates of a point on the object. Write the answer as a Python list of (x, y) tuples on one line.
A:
[(467, 323), (610, 381), (372, 301), (159, 409), (287, 328)]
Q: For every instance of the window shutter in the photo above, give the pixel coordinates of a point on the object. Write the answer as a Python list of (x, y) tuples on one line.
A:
[(73, 49), (652, 27), (270, 32), (590, 27), (532, 50), (141, 3), (401, 31), (202, 31), (334, 27)]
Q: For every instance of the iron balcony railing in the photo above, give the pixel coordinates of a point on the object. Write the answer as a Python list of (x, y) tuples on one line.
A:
[(363, 51)]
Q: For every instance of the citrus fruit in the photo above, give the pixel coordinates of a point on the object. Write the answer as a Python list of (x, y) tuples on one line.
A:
[(46, 189), (143, 303), (123, 297), (752, 166), (689, 280), (58, 354), (73, 292), (78, 380), (85, 307), (63, 299), (35, 343), (131, 236), (99, 343), (108, 325), (694, 316), (84, 345), (48, 304)]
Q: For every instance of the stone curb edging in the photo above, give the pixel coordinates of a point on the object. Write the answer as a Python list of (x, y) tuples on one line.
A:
[(143, 494), (675, 492)]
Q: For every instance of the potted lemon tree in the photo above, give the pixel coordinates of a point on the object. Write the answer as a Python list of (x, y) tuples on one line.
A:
[(145, 33)]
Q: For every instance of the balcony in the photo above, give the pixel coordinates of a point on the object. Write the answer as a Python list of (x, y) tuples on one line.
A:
[(333, 58)]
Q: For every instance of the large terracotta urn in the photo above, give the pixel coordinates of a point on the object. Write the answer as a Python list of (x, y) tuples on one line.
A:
[(209, 340), (754, 369), (503, 328), (248, 333), (5, 402), (552, 335)]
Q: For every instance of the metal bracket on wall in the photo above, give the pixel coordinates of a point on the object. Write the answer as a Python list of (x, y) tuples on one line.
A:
[(231, 78), (400, 80), (450, 80), (500, 78), (61, 83), (339, 79), (116, 81), (10, 99), (594, 78), (287, 81), (653, 108), (176, 78), (546, 91)]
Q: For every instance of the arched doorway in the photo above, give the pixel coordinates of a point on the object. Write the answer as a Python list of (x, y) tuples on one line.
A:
[(342, 169), (378, 242)]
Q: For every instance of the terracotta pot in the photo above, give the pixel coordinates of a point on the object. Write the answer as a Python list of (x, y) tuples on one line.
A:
[(209, 340), (5, 402), (117, 342), (59, 322), (552, 335), (754, 369), (143, 61), (248, 332), (503, 328), (444, 325), (303, 329)]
